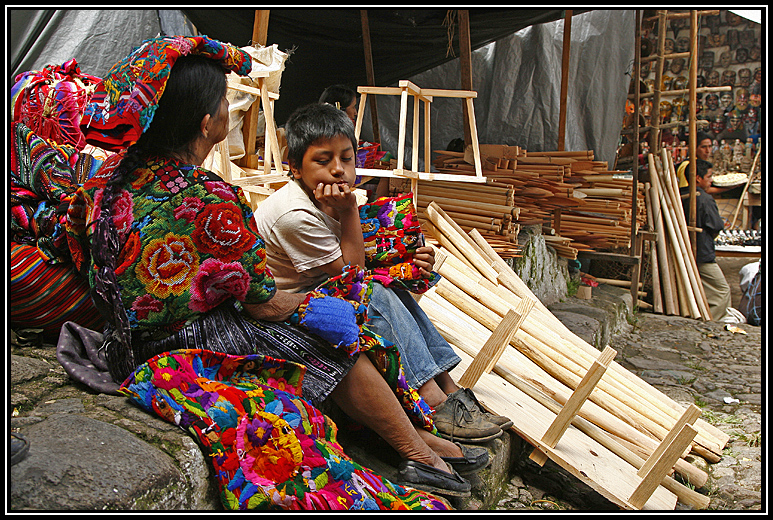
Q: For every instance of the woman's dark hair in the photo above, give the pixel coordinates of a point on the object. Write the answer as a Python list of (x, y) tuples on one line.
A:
[(311, 123), (195, 88), (340, 94)]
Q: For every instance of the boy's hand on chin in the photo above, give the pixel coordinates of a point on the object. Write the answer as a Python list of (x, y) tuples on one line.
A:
[(336, 196)]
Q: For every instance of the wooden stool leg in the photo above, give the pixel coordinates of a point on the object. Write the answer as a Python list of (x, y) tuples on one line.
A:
[(573, 404)]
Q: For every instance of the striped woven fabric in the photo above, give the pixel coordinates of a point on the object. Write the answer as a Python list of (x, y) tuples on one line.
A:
[(45, 296)]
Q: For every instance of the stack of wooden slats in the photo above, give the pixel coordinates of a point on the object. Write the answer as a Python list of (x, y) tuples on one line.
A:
[(589, 204), (623, 416), (676, 283)]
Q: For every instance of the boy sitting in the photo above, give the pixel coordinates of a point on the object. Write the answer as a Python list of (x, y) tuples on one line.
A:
[(312, 230)]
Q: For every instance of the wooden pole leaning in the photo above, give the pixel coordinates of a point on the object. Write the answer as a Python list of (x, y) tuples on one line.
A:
[(672, 186), (669, 217), (709, 436), (573, 405), (460, 324), (657, 297)]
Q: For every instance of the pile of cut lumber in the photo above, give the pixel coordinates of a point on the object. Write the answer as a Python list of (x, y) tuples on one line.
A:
[(676, 283), (603, 424), (570, 192), (489, 208)]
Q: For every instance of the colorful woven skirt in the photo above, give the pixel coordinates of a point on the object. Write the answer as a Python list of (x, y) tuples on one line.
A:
[(269, 448), (45, 296)]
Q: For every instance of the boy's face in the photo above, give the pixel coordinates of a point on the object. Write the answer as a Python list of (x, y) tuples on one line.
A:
[(327, 161), (705, 181)]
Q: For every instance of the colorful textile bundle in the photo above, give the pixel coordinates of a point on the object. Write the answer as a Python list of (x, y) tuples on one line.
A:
[(45, 296), (392, 234), (269, 448), (42, 186), (123, 105), (337, 312), (336, 309), (51, 102)]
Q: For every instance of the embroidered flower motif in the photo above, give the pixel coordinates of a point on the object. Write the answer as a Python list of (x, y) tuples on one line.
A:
[(189, 208), (122, 211), (220, 232), (269, 449), (216, 282), (168, 265), (129, 253), (220, 189), (146, 304)]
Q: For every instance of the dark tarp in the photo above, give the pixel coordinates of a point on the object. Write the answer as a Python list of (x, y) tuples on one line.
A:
[(328, 45)]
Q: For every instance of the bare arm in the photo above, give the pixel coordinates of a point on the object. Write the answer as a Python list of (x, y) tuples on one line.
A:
[(278, 308)]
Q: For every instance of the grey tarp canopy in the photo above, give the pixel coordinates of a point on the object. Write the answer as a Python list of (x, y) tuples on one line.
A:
[(516, 63)]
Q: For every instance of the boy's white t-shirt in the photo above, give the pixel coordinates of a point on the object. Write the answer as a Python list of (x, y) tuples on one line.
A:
[(299, 238)]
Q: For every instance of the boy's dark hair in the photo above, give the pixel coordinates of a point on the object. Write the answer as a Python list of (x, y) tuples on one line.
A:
[(701, 136), (702, 168), (311, 123), (340, 94)]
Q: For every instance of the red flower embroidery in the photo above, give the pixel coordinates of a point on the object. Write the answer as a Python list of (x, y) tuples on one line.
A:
[(146, 304), (122, 211), (216, 282), (168, 265), (129, 253), (188, 209), (220, 189), (220, 232)]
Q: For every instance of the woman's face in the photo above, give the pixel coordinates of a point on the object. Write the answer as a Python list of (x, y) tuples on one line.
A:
[(351, 110)]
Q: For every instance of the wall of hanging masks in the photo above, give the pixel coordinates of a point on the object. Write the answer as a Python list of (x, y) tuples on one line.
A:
[(729, 54)]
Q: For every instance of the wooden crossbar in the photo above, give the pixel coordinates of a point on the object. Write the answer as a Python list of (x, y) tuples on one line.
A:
[(494, 347), (573, 404)]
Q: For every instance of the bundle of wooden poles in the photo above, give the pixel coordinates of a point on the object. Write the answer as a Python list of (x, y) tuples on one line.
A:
[(676, 284), (547, 361), (583, 204)]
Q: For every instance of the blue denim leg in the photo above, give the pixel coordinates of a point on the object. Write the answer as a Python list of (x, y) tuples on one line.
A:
[(396, 316)]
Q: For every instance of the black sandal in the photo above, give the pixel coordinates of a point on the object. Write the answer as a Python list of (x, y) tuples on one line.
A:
[(428, 478), (19, 447)]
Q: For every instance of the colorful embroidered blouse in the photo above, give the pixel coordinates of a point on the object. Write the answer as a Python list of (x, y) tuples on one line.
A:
[(188, 243)]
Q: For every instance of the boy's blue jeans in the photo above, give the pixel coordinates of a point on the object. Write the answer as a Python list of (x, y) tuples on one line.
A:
[(395, 315)]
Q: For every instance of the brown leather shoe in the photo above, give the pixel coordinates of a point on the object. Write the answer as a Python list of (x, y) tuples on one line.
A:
[(472, 403), (455, 421)]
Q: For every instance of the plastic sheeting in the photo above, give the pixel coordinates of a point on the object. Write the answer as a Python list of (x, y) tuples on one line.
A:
[(97, 39), (518, 81)]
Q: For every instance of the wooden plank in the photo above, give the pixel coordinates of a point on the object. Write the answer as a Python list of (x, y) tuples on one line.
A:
[(491, 351), (664, 463), (688, 417), (587, 460), (573, 405)]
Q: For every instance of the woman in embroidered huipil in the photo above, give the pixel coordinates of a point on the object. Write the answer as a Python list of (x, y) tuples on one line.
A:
[(176, 264)]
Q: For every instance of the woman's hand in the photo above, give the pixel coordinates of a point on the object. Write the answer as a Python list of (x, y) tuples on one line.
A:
[(278, 308), (424, 259)]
